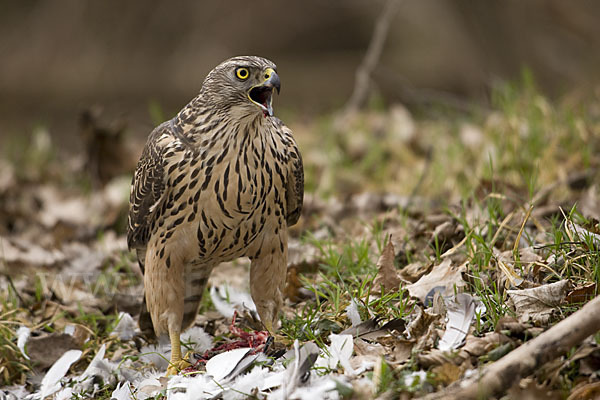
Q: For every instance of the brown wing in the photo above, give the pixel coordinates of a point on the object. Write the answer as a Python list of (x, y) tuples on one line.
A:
[(147, 191), (294, 192)]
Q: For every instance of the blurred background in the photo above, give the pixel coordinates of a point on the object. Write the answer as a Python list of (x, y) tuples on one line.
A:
[(141, 58), (476, 135)]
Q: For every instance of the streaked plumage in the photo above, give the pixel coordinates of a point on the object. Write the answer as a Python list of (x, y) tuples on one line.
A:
[(221, 180)]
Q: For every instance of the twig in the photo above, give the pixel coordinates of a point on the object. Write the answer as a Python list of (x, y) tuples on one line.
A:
[(372, 56), (518, 239), (503, 224), (498, 377)]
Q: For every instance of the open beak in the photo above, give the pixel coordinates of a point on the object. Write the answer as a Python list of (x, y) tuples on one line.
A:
[(262, 94)]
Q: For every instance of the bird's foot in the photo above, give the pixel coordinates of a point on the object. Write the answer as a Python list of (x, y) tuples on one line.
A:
[(176, 366)]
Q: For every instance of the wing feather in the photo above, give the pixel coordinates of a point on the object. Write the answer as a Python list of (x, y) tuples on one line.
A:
[(295, 180), (147, 190)]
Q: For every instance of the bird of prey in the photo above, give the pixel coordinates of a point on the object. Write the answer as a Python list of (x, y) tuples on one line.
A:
[(221, 180)]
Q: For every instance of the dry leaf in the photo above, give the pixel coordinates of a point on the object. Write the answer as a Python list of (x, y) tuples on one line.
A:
[(444, 232), (364, 348), (45, 350), (366, 353), (478, 346), (510, 324), (447, 373), (412, 272), (421, 322), (529, 389), (387, 275), (474, 347), (437, 357), (591, 363), (399, 349), (538, 303), (581, 294), (402, 350), (56, 206), (588, 391), (16, 252), (401, 126), (506, 262), (443, 276)]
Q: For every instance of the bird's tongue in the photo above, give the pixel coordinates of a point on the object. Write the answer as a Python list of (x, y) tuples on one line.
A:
[(262, 95)]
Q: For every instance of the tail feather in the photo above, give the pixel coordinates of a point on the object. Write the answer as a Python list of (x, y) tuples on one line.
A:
[(145, 322)]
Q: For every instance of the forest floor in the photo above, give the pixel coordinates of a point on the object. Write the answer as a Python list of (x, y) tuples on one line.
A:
[(429, 247)]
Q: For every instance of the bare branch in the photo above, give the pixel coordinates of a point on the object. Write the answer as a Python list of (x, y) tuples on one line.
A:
[(498, 377), (372, 56)]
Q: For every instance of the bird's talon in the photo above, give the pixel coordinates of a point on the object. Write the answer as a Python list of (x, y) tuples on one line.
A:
[(177, 366)]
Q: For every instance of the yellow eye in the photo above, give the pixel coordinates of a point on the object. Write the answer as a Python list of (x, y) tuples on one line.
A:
[(242, 73)]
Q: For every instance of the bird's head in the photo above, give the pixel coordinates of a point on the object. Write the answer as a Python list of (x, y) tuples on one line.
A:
[(243, 84)]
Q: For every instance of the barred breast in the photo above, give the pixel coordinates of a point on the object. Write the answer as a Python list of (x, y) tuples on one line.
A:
[(229, 191)]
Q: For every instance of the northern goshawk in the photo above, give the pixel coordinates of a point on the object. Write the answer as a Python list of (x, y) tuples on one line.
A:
[(223, 179)]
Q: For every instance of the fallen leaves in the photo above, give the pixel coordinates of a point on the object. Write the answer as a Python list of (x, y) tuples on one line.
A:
[(581, 294), (447, 373), (444, 278), (421, 296), (538, 303), (46, 349), (586, 391), (387, 279), (17, 252)]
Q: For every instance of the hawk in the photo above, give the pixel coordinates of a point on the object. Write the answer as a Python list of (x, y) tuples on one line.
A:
[(221, 180)]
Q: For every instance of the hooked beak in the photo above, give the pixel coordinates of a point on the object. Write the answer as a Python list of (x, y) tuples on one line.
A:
[(261, 94)]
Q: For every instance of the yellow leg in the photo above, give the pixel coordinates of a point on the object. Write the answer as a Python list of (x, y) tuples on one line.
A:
[(177, 363)]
